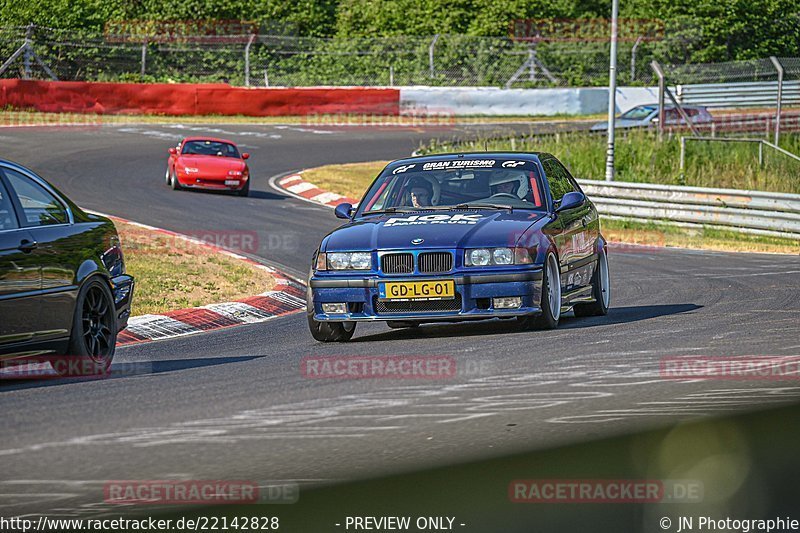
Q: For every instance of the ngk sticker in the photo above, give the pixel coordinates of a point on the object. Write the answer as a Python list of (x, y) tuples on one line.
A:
[(417, 220)]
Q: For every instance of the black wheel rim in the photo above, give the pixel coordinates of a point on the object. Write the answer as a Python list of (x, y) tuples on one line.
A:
[(97, 318)]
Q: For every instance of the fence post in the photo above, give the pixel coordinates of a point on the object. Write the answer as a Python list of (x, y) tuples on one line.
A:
[(682, 165), (247, 60), (779, 68), (633, 57), (144, 58), (391, 75), (661, 89), (430, 53), (27, 55)]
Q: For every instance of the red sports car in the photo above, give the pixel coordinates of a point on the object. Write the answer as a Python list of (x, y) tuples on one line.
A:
[(208, 163)]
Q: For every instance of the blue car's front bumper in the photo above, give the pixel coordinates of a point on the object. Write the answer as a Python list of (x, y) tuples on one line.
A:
[(474, 293)]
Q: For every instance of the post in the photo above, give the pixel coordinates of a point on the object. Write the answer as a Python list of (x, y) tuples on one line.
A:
[(27, 56), (266, 79), (247, 60), (430, 53), (779, 68), (391, 76), (761, 155), (661, 90), (633, 57), (144, 58), (683, 157), (612, 92)]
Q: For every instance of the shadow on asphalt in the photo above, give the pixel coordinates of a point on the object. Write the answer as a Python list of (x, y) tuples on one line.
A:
[(616, 315), (47, 377), (259, 195)]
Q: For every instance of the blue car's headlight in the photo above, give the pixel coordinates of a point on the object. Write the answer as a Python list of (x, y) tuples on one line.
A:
[(497, 256), (344, 261)]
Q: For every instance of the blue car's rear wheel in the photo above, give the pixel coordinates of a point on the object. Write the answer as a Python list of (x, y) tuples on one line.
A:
[(601, 290)]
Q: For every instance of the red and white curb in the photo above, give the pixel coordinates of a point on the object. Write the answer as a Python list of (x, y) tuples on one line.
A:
[(287, 297), (305, 190)]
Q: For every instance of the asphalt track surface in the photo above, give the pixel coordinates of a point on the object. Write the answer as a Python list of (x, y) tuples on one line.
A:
[(232, 404)]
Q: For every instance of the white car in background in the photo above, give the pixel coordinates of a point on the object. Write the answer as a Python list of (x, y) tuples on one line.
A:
[(647, 115)]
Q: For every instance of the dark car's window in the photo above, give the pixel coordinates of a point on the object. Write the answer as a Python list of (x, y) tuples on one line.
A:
[(210, 148), (557, 178), (7, 218), (39, 207)]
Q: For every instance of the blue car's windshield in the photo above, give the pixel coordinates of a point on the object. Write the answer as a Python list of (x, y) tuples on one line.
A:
[(456, 183)]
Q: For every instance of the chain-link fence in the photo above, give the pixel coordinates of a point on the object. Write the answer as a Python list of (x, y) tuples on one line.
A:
[(444, 60)]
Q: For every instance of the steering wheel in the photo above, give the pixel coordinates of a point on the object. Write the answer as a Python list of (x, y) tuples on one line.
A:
[(504, 195)]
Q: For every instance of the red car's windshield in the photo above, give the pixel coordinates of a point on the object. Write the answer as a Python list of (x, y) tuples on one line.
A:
[(215, 148)]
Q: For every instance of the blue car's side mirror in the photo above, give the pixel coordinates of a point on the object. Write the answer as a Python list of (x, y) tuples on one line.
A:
[(571, 200), (343, 210)]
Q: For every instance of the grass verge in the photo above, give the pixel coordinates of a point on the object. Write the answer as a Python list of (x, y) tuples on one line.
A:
[(174, 274), (354, 178), (640, 157)]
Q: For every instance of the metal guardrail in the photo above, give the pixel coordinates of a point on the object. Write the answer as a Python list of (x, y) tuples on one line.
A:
[(757, 212), (751, 94)]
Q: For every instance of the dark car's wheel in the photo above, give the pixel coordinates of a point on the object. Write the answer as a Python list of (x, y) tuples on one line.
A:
[(601, 290), (94, 332), (327, 331)]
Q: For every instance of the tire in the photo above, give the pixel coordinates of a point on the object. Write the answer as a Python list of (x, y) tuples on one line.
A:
[(327, 331), (397, 324), (601, 290), (173, 182), (167, 176), (551, 298), (245, 191), (94, 332)]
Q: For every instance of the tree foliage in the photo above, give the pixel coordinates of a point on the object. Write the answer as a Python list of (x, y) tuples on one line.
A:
[(719, 30)]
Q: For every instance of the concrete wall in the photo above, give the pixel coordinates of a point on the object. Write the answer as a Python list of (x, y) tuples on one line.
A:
[(460, 101)]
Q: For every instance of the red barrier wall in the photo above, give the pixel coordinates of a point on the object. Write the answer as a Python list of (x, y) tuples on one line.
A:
[(193, 99)]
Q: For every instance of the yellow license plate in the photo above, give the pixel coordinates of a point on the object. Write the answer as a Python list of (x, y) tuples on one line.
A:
[(417, 290)]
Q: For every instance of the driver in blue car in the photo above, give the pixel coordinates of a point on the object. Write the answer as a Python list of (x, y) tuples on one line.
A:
[(421, 193)]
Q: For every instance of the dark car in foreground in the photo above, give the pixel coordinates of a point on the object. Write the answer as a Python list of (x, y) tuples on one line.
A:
[(63, 286), (461, 237)]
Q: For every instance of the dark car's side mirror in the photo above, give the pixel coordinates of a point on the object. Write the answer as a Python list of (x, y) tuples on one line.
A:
[(173, 151), (344, 210), (571, 200), (245, 156)]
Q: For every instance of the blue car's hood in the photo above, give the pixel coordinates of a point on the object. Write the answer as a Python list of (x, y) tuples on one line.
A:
[(441, 229)]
